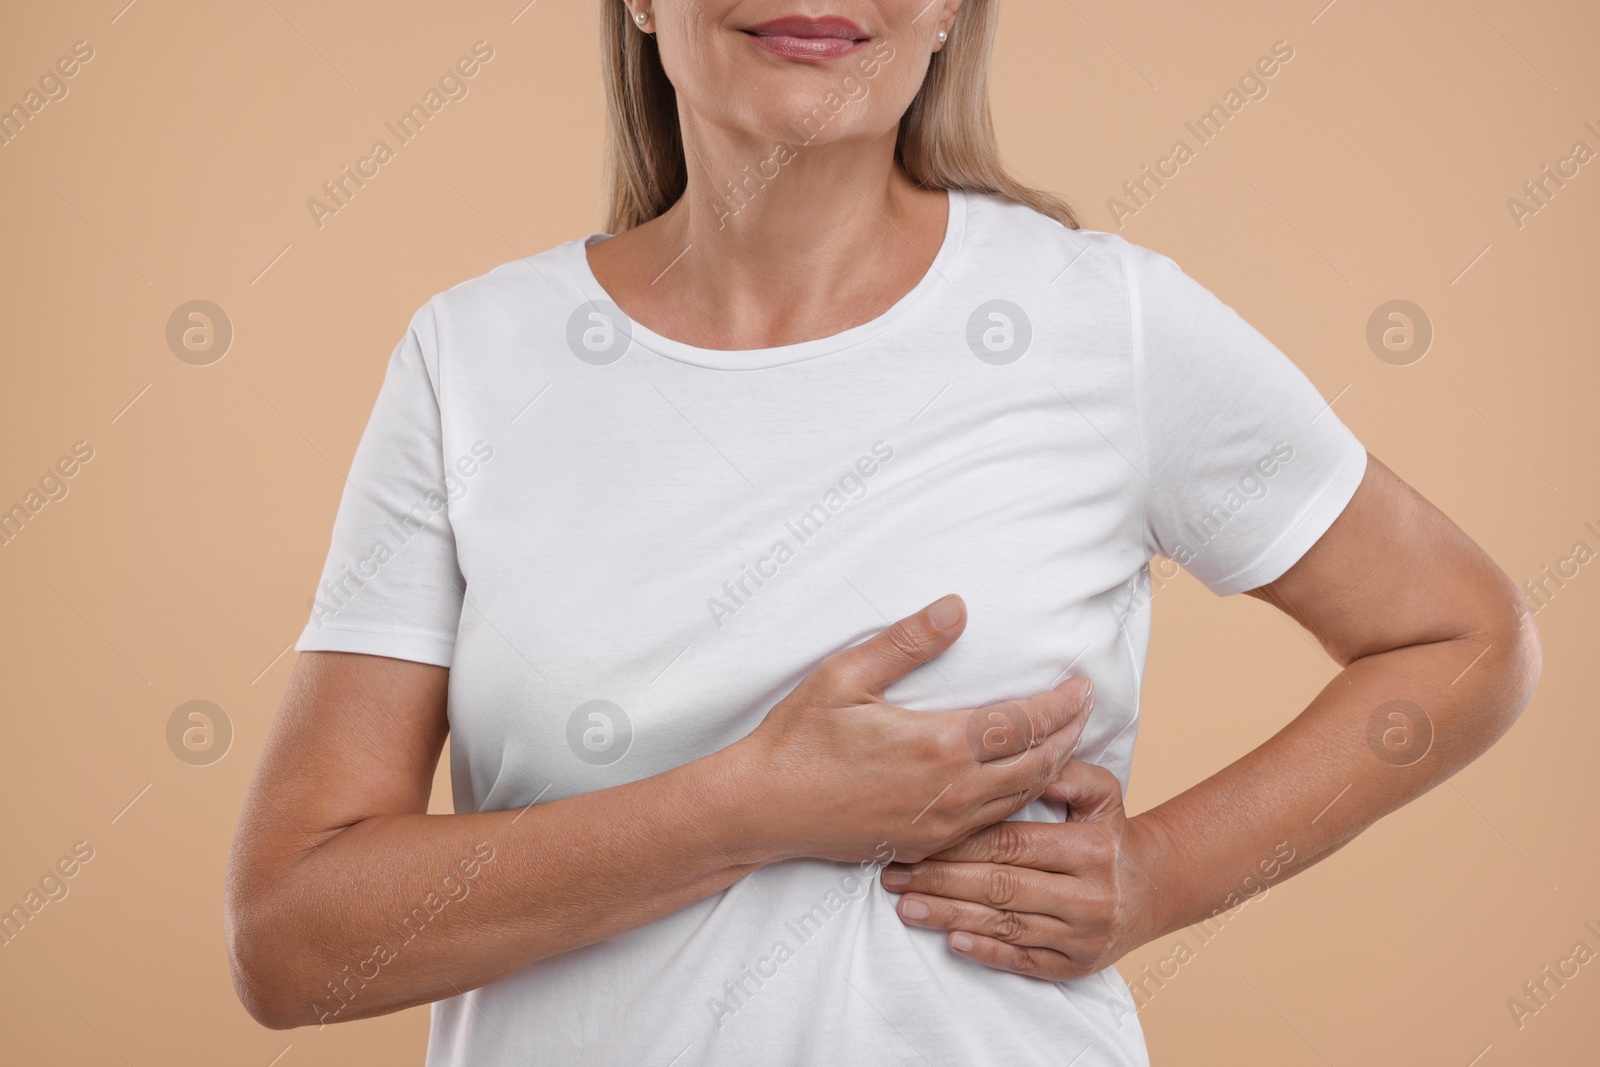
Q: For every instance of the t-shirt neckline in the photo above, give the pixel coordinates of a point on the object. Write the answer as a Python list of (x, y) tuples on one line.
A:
[(758, 358)]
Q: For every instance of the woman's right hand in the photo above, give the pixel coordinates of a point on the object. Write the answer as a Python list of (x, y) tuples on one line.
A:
[(842, 775)]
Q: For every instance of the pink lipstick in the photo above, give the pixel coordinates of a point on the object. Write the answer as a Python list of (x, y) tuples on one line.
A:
[(798, 37)]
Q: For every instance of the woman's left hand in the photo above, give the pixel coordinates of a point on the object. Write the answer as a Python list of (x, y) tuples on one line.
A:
[(1047, 900)]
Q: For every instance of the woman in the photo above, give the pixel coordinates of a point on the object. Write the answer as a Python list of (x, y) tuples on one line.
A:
[(630, 519)]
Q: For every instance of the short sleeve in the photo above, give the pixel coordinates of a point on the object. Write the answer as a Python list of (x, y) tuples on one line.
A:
[(1247, 464), (391, 585)]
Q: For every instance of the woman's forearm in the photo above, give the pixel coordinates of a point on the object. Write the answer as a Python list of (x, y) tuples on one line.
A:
[(345, 900), (1389, 727), (399, 910)]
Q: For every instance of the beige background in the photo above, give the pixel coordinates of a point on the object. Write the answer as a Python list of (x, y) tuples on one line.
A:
[(180, 563)]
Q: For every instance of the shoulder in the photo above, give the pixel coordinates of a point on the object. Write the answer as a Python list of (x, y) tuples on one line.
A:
[(1004, 237), (510, 296), (491, 321)]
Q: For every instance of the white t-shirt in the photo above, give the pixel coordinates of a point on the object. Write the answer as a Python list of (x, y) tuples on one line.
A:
[(656, 542)]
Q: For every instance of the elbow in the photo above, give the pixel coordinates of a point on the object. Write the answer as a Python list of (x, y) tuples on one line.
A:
[(262, 986), (262, 1004), (264, 972), (263, 1010), (1528, 659), (1509, 629)]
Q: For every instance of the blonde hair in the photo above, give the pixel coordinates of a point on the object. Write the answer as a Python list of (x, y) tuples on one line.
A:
[(946, 138)]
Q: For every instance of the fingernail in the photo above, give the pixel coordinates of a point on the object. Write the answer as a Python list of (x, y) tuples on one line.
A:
[(960, 942), (914, 909), (945, 612), (895, 877)]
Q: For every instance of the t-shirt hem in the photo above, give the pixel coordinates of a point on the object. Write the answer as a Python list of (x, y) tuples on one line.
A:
[(433, 648), (1307, 529)]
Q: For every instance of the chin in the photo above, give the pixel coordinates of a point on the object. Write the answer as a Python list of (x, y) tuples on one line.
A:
[(811, 112)]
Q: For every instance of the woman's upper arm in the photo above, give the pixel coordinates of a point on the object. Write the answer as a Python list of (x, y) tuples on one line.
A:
[(1255, 485), (1391, 571), (355, 736)]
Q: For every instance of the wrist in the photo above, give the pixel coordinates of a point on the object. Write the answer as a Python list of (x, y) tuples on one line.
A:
[(1155, 883), (742, 807)]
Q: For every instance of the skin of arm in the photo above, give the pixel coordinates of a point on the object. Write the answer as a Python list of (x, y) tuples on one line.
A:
[(345, 899), (1412, 610), (335, 853)]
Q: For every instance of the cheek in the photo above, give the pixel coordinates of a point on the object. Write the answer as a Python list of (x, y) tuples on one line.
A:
[(883, 98)]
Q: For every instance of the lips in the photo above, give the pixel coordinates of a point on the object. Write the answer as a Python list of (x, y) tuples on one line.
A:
[(798, 37)]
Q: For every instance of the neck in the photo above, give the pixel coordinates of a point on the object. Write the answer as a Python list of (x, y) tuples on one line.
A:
[(795, 226), (757, 205), (774, 243)]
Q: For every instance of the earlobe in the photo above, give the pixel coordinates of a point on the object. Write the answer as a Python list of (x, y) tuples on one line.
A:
[(952, 15)]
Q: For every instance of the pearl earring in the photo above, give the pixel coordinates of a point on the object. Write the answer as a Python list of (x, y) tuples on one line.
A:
[(640, 17), (943, 37)]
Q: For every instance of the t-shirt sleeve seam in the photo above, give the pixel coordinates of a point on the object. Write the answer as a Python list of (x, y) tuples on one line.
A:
[(436, 372), (1343, 482), (1136, 359), (382, 631), (418, 646)]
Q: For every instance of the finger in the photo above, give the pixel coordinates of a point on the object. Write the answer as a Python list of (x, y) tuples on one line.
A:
[(871, 666), (1078, 850), (1091, 793), (1011, 727), (1011, 783), (995, 885), (1012, 927), (1043, 846), (1028, 960)]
